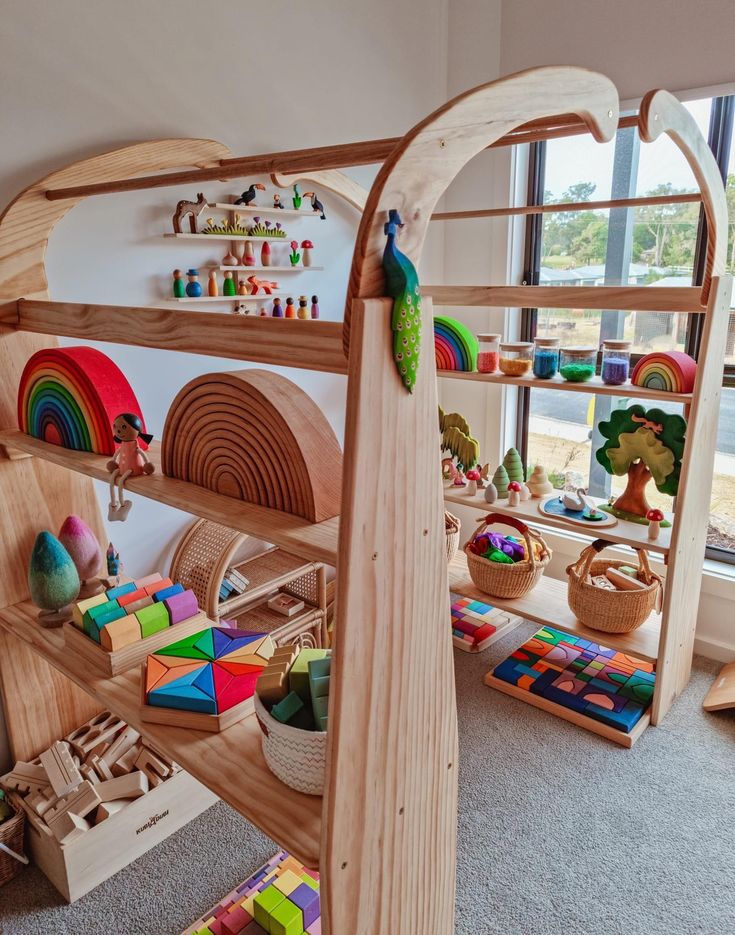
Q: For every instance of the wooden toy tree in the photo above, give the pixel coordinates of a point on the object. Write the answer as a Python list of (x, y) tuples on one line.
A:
[(500, 482), (456, 438), (514, 466), (645, 445)]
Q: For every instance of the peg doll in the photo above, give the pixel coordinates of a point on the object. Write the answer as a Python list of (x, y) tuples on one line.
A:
[(129, 460)]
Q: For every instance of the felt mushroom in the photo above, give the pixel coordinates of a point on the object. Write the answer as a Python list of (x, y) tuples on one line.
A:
[(514, 493), (473, 476), (307, 246), (654, 518)]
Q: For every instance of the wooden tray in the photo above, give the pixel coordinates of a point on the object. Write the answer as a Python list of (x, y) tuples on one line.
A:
[(108, 664)]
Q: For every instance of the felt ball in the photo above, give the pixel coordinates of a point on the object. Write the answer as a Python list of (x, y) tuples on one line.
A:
[(81, 544), (52, 575)]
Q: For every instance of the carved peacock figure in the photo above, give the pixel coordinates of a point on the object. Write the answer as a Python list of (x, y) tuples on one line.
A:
[(402, 285)]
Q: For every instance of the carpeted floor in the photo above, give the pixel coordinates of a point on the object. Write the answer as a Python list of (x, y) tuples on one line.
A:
[(560, 833)]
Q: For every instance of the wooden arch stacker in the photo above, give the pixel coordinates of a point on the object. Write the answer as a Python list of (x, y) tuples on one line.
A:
[(384, 834)]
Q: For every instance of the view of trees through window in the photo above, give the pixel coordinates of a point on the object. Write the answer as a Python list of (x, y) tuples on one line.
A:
[(652, 246)]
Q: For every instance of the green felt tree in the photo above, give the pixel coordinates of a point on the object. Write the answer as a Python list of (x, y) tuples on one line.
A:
[(514, 466), (457, 439), (645, 445), (501, 481)]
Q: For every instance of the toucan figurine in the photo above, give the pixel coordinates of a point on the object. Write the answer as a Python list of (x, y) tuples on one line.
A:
[(316, 206), (402, 285), (248, 197)]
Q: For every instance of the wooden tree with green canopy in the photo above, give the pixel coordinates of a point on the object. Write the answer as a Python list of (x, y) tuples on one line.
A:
[(646, 445), (456, 438)]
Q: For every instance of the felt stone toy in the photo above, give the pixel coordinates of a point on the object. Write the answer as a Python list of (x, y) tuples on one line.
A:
[(53, 580), (81, 544)]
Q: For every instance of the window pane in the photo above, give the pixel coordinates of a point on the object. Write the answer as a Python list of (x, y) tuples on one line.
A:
[(722, 508)]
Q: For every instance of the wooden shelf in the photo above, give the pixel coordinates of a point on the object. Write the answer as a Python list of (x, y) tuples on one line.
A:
[(230, 763), (595, 385), (267, 572), (315, 541), (547, 605), (255, 239), (272, 269), (624, 533), (261, 297), (266, 212)]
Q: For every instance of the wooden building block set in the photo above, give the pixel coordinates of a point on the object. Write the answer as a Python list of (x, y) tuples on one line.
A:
[(282, 898), (251, 451), (476, 625)]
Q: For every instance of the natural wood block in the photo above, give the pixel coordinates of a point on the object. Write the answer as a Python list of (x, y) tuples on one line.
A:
[(624, 582), (68, 826), (80, 802), (42, 800), (107, 809), (99, 750), (122, 743), (126, 762), (152, 766), (89, 774), (100, 767), (60, 769), (131, 786), (102, 727), (25, 778)]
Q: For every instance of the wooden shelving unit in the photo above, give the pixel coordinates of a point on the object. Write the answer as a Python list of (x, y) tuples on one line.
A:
[(270, 212), (252, 237), (272, 269), (386, 827), (260, 297)]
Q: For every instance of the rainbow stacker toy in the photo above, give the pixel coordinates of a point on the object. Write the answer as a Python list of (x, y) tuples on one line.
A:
[(455, 346)]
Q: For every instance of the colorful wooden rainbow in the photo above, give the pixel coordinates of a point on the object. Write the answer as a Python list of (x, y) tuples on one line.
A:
[(69, 396), (671, 371), (455, 346)]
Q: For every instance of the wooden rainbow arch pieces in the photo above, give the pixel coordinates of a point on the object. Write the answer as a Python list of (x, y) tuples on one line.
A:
[(255, 436), (455, 346), (69, 396), (671, 371)]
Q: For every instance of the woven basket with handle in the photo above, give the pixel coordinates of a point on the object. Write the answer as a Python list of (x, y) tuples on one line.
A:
[(12, 858), (451, 529), (610, 611), (498, 579)]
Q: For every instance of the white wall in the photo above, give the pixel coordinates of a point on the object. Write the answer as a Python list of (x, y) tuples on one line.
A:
[(82, 78)]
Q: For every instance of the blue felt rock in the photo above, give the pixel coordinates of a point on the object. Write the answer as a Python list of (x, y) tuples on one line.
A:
[(52, 575)]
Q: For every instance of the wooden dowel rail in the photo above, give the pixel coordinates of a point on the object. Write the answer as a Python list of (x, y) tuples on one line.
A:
[(564, 206), (623, 298), (318, 158), (308, 345)]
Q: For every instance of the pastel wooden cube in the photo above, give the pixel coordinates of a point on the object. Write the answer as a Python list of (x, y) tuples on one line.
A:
[(298, 677), (131, 597), (135, 606), (152, 618), (114, 593), (287, 882), (96, 610), (148, 579), (98, 621), (286, 919), (307, 900), (265, 903), (121, 632), (82, 607), (160, 585), (181, 606), (168, 592)]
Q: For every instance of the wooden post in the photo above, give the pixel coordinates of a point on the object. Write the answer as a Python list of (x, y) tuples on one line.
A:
[(390, 809)]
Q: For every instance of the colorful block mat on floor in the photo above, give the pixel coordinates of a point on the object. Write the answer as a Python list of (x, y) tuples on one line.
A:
[(600, 683), (283, 895), (209, 672), (476, 624)]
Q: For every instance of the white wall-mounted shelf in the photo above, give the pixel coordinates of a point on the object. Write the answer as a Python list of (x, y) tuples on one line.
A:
[(270, 269), (253, 237), (266, 212), (260, 297)]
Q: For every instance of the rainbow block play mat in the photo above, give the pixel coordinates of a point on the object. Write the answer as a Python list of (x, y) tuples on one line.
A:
[(601, 683)]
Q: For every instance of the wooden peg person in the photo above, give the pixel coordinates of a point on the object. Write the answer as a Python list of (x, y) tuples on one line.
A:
[(212, 286)]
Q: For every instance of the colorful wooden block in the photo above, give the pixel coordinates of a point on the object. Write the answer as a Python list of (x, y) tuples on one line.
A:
[(131, 597), (121, 632), (93, 613), (264, 904), (286, 919), (154, 587), (152, 619), (298, 676), (82, 607), (287, 882), (114, 594), (148, 580), (97, 625), (181, 606), (134, 606), (287, 709), (307, 900), (170, 591)]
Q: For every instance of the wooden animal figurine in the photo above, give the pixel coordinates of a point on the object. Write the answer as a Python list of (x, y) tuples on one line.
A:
[(316, 206), (491, 493), (514, 493), (179, 287), (81, 544), (228, 286), (229, 259), (296, 197), (265, 254), (129, 460), (473, 476), (294, 256), (654, 518), (277, 203), (190, 209), (290, 310), (402, 285), (248, 257), (574, 499), (53, 580), (212, 285), (538, 482), (248, 197), (277, 310), (267, 285), (303, 311), (193, 286), (484, 476), (315, 306), (306, 247)]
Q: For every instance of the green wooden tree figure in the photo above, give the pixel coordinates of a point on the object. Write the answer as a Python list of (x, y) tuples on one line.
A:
[(646, 445), (501, 481), (457, 439), (514, 466)]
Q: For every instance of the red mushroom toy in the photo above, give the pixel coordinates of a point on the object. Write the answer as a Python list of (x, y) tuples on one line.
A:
[(514, 493), (306, 246), (473, 476), (654, 518)]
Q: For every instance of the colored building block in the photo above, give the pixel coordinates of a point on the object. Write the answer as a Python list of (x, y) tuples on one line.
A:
[(287, 882), (234, 921), (287, 709), (181, 606), (130, 597), (148, 579), (171, 591), (264, 905), (320, 710), (315, 928), (182, 696), (307, 900), (101, 621), (114, 593), (298, 677), (95, 611), (152, 618), (134, 606), (154, 587), (82, 607), (121, 632), (286, 919)]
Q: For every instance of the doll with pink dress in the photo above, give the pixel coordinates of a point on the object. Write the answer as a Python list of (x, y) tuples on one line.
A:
[(128, 461)]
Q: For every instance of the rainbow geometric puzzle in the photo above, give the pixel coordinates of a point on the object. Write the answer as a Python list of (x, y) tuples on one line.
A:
[(603, 684), (207, 673), (476, 624)]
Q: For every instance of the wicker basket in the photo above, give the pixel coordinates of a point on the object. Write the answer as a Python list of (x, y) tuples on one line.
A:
[(610, 611), (498, 579), (451, 528), (12, 859), (297, 757)]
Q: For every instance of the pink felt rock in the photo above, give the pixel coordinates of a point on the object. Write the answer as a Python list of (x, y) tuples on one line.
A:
[(81, 544)]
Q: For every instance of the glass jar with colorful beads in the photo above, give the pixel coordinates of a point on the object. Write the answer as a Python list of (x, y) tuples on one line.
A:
[(515, 358), (545, 357), (577, 364), (487, 355), (615, 362)]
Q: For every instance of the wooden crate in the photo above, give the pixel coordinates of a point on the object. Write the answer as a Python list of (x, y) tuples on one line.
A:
[(83, 864), (108, 664)]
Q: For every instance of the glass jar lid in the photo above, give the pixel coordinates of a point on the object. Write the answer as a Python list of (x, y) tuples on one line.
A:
[(516, 345), (579, 351), (547, 342), (489, 337), (616, 345)]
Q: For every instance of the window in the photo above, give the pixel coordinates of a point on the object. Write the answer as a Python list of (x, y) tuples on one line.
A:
[(653, 246)]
